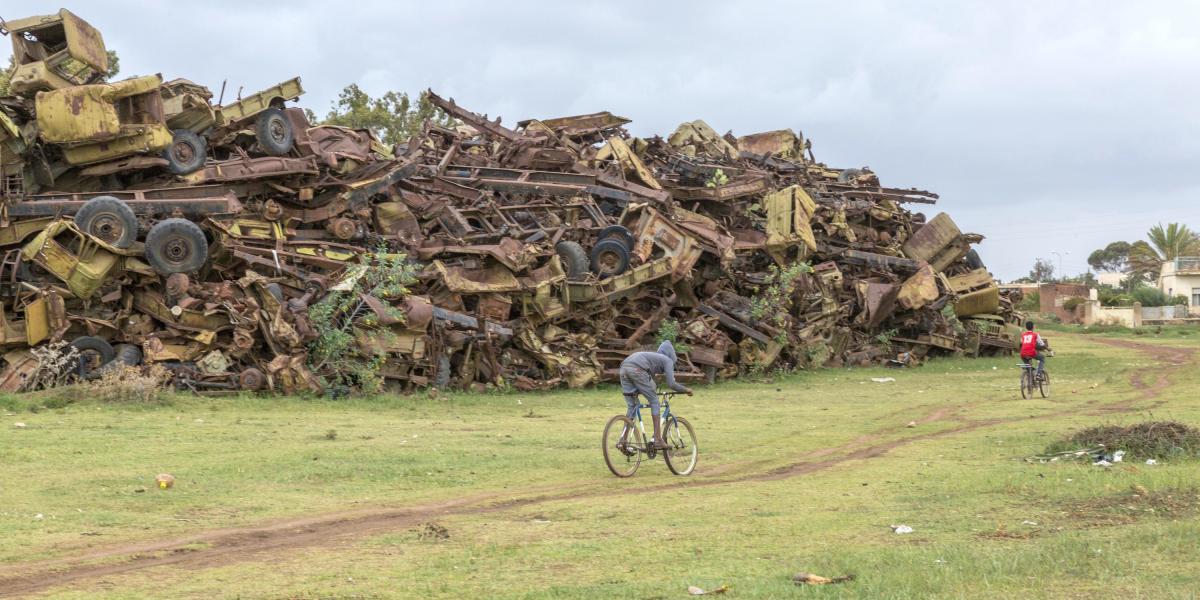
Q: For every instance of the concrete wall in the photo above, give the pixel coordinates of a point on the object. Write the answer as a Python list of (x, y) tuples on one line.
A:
[(1129, 316)]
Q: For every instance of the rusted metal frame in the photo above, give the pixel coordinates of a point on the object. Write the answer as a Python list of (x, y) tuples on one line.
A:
[(735, 324), (888, 196), (479, 122), (872, 259), (195, 208), (316, 261), (661, 196)]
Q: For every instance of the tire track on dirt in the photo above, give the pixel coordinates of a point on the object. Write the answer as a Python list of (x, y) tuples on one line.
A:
[(234, 545)]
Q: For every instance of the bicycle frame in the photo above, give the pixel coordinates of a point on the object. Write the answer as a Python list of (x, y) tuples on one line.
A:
[(664, 417)]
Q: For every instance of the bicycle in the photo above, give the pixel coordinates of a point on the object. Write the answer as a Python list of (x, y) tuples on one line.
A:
[(625, 444), (1030, 378)]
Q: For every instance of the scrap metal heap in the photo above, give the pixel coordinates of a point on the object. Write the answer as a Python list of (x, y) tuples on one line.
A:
[(243, 248)]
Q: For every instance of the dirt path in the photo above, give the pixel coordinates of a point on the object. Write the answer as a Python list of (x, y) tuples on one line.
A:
[(235, 545)]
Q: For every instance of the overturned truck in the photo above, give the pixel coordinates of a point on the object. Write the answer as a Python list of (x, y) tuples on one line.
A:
[(243, 248)]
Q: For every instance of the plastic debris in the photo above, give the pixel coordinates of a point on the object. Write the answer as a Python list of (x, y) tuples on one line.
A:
[(902, 529)]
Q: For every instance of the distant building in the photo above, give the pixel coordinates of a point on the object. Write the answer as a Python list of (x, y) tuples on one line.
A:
[(1181, 277), (1113, 279)]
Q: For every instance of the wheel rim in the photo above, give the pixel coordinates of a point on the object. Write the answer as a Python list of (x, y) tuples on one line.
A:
[(681, 456), (277, 130), (176, 251), (621, 464), (609, 261), (107, 226), (183, 152)]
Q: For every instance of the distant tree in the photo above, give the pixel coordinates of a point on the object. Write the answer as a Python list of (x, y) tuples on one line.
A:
[(392, 117), (1162, 244), (114, 65), (1112, 257), (1043, 271), (6, 75)]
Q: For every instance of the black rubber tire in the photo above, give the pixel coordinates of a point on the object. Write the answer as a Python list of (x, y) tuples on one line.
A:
[(620, 464), (681, 461), (129, 355), (973, 259), (274, 132), (186, 153), (109, 219), (1044, 385), (619, 232), (91, 344), (609, 258), (176, 246), (1026, 383), (574, 259)]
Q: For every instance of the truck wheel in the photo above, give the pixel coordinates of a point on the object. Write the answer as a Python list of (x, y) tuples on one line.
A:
[(176, 246), (93, 353), (609, 257), (574, 259), (108, 219), (186, 152), (619, 232), (274, 132)]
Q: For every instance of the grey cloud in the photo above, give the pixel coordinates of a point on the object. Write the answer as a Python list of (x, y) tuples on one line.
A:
[(1045, 126)]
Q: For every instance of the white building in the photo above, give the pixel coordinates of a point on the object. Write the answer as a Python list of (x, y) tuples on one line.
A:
[(1110, 278), (1181, 277)]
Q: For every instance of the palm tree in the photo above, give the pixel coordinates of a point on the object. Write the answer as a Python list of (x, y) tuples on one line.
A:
[(1166, 244)]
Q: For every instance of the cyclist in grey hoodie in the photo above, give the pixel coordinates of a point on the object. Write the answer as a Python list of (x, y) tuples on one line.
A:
[(637, 377)]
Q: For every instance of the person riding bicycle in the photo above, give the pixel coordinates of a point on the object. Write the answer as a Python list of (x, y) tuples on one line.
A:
[(1032, 345), (637, 377)]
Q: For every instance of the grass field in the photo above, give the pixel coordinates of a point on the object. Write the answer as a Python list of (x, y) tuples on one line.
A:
[(507, 496)]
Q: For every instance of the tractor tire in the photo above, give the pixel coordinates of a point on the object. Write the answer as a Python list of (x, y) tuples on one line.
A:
[(619, 232), (109, 219), (274, 132), (186, 153), (176, 246), (94, 353), (609, 258), (574, 259)]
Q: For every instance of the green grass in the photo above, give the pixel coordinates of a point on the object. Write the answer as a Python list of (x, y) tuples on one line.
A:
[(1148, 331), (966, 492)]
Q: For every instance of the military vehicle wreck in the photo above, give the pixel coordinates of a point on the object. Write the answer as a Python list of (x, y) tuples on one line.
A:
[(243, 248)]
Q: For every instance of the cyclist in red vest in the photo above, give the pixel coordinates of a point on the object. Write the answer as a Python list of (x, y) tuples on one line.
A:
[(1032, 345)]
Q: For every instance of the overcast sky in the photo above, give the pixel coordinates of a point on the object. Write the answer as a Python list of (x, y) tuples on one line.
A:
[(1045, 126)]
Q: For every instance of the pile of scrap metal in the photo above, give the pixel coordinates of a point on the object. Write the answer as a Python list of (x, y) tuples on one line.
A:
[(142, 223)]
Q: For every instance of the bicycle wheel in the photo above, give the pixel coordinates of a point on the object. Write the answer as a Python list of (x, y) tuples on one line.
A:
[(624, 461), (1044, 384), (681, 456), (1026, 383)]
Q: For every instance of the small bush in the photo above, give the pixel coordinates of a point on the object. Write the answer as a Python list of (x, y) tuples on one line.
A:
[(1070, 304), (1159, 440), (1149, 296), (1031, 302), (127, 384)]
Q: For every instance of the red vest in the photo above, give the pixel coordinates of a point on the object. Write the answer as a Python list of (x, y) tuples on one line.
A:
[(1029, 342)]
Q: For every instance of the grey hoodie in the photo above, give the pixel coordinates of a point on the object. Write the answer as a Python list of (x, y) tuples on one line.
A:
[(656, 363)]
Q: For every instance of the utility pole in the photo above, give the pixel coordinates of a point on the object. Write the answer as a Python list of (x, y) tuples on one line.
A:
[(1061, 274)]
